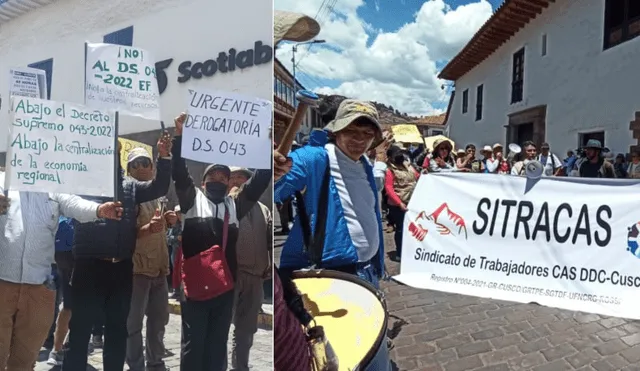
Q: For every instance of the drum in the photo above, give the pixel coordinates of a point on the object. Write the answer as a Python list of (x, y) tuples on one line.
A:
[(353, 314)]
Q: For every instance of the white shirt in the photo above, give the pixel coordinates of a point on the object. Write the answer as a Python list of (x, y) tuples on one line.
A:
[(551, 165), (357, 200), (28, 230), (379, 173)]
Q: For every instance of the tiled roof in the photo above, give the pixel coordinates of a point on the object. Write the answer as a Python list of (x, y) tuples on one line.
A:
[(431, 120), (505, 22)]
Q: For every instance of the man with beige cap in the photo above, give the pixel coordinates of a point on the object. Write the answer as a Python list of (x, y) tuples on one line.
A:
[(340, 197), (489, 163), (150, 270), (253, 250)]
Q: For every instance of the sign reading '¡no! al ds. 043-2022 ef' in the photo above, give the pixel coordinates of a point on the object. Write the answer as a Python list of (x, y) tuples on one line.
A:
[(226, 61)]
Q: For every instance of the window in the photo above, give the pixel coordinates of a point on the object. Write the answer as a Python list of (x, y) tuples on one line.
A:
[(479, 99), (517, 79), (437, 132), (621, 21), (583, 138), (47, 67), (465, 101), (544, 45), (121, 37)]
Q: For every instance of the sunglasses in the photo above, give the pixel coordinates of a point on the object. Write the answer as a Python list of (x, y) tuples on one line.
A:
[(140, 162)]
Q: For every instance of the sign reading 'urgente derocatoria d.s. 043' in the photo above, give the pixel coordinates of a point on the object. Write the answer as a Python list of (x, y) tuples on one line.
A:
[(225, 61), (562, 242)]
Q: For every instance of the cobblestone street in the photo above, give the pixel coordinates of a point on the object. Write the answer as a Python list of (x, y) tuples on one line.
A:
[(261, 353), (435, 331)]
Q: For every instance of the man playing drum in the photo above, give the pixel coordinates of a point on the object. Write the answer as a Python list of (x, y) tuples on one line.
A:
[(353, 227)]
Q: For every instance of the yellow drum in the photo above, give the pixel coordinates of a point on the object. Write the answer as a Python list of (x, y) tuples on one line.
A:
[(353, 314)]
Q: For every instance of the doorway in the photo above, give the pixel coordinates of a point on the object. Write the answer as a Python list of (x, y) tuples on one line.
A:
[(527, 125), (524, 132)]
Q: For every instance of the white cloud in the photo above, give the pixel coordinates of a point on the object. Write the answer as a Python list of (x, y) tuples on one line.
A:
[(396, 68)]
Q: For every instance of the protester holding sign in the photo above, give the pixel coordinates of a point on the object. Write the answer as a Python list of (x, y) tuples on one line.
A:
[(340, 173), (28, 221), (150, 270), (103, 270), (209, 268)]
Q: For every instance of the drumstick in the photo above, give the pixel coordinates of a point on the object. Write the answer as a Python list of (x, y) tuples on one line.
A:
[(305, 99)]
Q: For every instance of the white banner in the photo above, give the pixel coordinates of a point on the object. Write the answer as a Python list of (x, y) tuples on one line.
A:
[(228, 128), (562, 242), (122, 78), (28, 82), (60, 148)]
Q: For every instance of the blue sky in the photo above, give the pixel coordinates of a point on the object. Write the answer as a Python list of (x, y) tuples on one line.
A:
[(395, 35)]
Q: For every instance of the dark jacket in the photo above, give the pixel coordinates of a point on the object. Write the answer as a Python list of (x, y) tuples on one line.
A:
[(204, 220), (106, 239)]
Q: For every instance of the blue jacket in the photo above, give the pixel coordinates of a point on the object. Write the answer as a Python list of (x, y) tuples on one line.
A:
[(309, 165)]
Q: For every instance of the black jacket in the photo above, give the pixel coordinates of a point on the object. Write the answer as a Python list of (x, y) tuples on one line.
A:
[(204, 220), (109, 239)]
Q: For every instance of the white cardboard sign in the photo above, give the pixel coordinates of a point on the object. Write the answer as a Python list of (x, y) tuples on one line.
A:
[(60, 147), (227, 128), (122, 78), (28, 82)]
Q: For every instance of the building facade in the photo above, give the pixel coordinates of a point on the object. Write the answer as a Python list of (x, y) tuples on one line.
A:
[(562, 72), (180, 34), (284, 104)]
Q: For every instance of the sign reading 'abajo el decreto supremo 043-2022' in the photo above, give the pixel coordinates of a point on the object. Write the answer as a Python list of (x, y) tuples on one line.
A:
[(562, 242), (60, 147)]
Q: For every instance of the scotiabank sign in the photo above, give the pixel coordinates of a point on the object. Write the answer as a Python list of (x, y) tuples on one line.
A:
[(226, 61)]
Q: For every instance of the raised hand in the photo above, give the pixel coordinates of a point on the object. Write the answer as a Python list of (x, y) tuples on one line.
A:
[(164, 145), (281, 165), (179, 123)]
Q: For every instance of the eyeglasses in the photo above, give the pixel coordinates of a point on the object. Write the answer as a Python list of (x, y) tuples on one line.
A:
[(140, 162)]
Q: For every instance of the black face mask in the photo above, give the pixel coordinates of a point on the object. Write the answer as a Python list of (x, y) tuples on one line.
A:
[(216, 191)]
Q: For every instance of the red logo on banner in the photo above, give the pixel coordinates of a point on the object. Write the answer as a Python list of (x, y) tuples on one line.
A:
[(445, 222)]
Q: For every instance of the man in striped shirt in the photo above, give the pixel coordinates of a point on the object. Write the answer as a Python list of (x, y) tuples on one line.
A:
[(28, 224)]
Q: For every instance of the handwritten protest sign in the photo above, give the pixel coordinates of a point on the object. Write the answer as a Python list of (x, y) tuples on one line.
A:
[(122, 78), (60, 148), (28, 82), (127, 146), (227, 128)]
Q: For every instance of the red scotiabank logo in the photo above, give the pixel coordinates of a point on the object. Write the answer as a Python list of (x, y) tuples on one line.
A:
[(443, 220)]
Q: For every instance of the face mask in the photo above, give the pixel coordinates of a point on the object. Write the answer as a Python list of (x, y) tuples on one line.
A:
[(215, 191)]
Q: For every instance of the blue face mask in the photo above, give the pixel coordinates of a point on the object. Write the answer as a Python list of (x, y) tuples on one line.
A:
[(216, 191)]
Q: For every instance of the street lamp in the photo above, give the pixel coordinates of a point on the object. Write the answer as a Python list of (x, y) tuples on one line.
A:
[(293, 60)]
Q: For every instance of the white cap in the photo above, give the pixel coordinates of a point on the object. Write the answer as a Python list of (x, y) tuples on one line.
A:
[(487, 149), (137, 153)]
